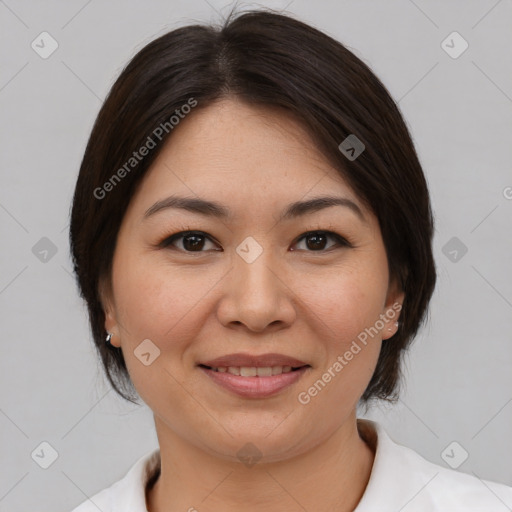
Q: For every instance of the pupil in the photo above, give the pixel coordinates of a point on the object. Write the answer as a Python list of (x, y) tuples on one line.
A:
[(197, 242), (316, 237)]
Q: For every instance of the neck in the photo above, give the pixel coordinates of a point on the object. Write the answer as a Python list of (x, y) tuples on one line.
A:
[(331, 476)]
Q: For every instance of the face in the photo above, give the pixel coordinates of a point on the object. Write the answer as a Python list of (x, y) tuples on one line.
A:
[(262, 279)]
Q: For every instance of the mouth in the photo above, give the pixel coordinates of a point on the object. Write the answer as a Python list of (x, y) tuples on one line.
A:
[(254, 371), (255, 377)]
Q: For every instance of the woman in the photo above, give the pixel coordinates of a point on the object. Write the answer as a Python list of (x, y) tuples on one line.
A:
[(251, 230)]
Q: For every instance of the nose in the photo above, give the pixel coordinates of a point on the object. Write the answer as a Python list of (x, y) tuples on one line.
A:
[(257, 296)]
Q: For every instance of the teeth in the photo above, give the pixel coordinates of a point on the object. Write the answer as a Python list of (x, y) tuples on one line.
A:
[(253, 371), (246, 371)]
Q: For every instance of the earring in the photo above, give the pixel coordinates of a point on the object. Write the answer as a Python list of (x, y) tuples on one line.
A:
[(107, 340), (396, 325)]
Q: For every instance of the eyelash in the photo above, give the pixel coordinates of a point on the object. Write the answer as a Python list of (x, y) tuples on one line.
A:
[(343, 242)]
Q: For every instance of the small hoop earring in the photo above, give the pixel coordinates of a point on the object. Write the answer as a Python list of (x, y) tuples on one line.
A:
[(108, 338)]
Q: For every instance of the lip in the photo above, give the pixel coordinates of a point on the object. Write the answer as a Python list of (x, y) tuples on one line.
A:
[(258, 361), (255, 387)]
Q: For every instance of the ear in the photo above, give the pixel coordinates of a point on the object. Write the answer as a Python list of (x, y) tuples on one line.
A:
[(391, 312), (107, 302)]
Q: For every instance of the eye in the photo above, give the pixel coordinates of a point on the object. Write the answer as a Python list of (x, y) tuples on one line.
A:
[(316, 240), (195, 241), (191, 241)]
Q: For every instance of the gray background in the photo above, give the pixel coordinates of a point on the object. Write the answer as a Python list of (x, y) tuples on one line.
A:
[(458, 374)]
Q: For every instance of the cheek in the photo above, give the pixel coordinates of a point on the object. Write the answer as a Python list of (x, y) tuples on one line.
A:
[(346, 305), (345, 302), (159, 303), (345, 309), (155, 301)]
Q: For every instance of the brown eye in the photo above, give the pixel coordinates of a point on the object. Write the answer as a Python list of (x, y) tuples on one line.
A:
[(191, 241), (316, 241), (197, 241)]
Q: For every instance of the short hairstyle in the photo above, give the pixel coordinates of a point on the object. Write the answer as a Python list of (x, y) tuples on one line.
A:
[(262, 58)]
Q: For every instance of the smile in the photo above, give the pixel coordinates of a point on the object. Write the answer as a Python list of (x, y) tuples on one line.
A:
[(254, 382), (253, 371)]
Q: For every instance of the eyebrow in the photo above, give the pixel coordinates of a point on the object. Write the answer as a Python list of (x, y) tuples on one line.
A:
[(217, 210)]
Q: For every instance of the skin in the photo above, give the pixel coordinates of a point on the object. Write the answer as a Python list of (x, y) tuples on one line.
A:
[(295, 299)]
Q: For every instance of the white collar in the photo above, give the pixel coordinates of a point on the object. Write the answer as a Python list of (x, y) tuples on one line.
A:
[(400, 480)]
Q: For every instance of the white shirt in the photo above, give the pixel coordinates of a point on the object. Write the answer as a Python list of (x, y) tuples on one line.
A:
[(401, 480)]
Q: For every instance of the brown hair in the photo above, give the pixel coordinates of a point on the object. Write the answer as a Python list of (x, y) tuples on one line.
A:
[(267, 58)]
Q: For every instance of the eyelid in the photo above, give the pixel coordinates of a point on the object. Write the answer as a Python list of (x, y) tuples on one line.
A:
[(167, 241), (332, 234), (329, 230)]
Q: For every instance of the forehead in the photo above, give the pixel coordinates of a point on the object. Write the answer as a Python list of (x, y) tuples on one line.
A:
[(245, 156)]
